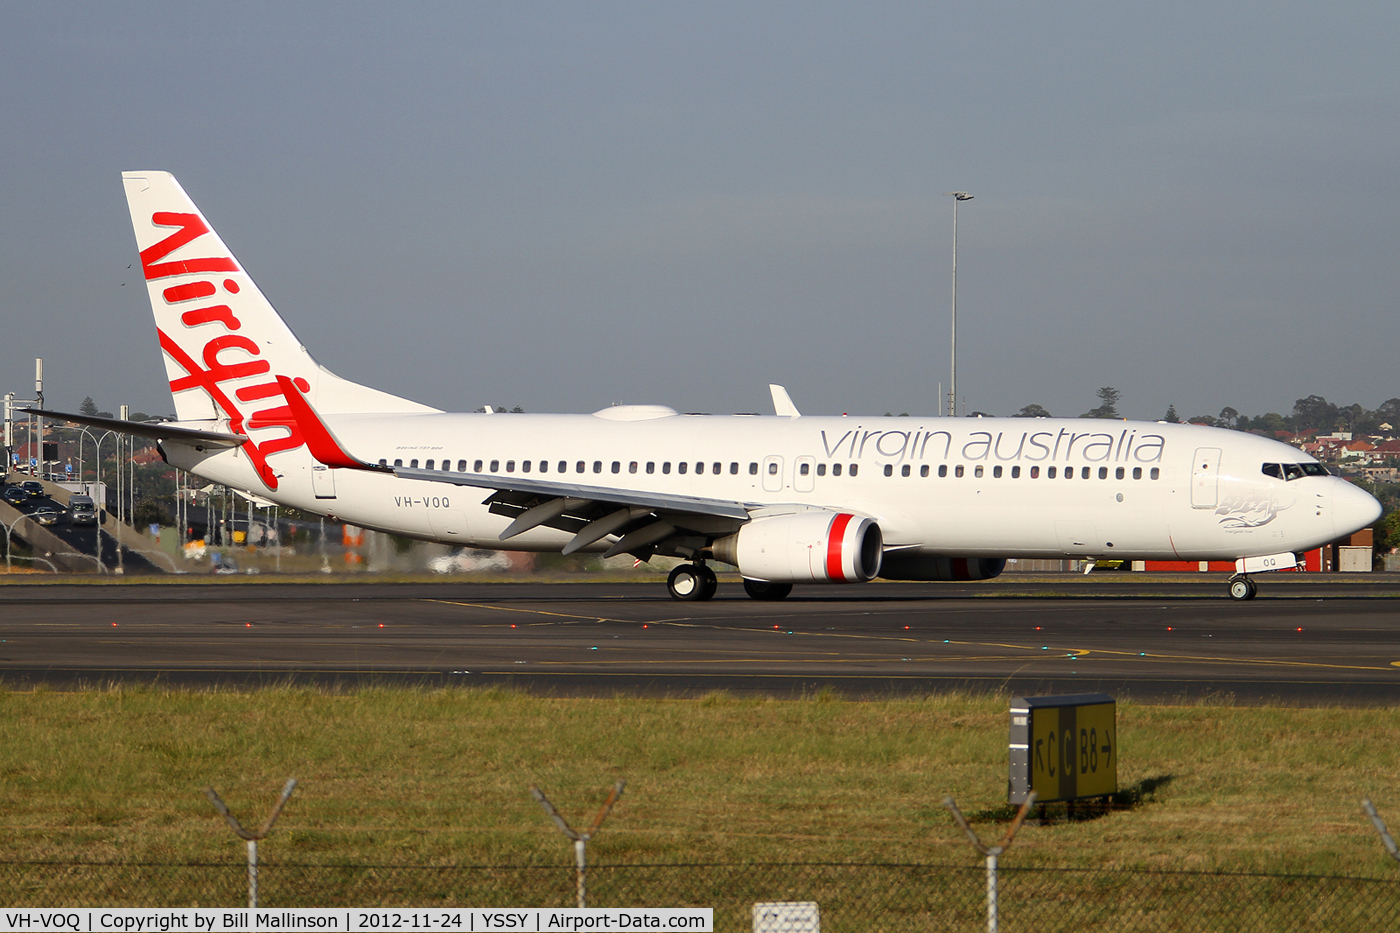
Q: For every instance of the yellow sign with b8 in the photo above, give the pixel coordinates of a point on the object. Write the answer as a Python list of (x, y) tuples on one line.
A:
[(1063, 748)]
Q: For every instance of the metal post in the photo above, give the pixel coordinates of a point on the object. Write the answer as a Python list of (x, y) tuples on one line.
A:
[(580, 838), (1379, 823), (251, 836), (991, 852), (953, 385)]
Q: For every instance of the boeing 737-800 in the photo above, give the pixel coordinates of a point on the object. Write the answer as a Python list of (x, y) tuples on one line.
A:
[(786, 498)]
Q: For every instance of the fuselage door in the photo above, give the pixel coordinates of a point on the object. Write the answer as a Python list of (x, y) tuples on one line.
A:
[(773, 474), (322, 481), (804, 474), (1205, 478)]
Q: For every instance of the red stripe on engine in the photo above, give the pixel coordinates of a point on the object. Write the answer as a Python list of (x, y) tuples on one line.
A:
[(834, 538)]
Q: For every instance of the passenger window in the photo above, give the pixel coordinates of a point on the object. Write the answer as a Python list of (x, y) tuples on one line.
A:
[(1137, 472), (524, 466), (461, 466), (753, 469), (544, 466), (383, 462), (943, 469), (977, 471), (1069, 472), (889, 469), (1084, 473), (510, 466), (836, 469), (1103, 472), (578, 467), (700, 468), (821, 469), (476, 467), (632, 467), (563, 466), (1049, 472), (855, 468), (651, 466), (904, 470), (958, 471), (804, 469), (429, 465), (617, 466), (717, 469), (1015, 472), (923, 470), (398, 463), (1035, 472), (772, 469), (666, 467), (733, 469), (597, 466), (1155, 473), (413, 464), (1118, 473), (996, 472), (682, 467)]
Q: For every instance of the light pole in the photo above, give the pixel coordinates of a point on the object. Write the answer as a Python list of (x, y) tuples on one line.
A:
[(953, 386)]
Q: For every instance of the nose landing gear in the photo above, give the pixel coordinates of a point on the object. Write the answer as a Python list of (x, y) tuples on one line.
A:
[(692, 582), (1242, 588)]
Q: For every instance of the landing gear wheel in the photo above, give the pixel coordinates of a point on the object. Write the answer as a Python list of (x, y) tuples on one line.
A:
[(692, 582), (1253, 590), (762, 589), (709, 582), (1242, 588)]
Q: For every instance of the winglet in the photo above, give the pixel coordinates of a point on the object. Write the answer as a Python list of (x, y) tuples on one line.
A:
[(319, 439), (782, 402)]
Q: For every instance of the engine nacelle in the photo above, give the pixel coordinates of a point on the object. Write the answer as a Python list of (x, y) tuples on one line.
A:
[(805, 547), (898, 566)]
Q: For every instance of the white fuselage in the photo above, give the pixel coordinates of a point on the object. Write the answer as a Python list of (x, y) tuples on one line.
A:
[(993, 487)]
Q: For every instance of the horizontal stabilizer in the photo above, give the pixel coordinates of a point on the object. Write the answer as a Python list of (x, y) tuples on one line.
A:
[(157, 430)]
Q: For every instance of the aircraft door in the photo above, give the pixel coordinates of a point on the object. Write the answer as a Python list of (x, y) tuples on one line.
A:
[(322, 481), (1205, 478), (773, 474), (804, 474)]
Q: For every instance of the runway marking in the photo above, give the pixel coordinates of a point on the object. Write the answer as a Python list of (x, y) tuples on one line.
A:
[(538, 612)]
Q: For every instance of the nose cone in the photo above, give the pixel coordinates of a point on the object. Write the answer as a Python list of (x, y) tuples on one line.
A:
[(1353, 508)]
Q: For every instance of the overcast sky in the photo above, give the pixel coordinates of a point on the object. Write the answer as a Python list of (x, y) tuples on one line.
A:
[(563, 206)]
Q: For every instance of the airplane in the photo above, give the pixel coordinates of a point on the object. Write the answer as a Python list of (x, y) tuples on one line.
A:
[(786, 498)]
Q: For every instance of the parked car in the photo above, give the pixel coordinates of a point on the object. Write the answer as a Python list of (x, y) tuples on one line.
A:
[(82, 511), (15, 495), (47, 514), (34, 488)]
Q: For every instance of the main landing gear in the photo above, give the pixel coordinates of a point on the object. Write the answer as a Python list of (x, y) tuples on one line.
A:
[(690, 582), (762, 589), (1242, 588)]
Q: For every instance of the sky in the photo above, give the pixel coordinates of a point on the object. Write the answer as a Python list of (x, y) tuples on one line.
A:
[(565, 206)]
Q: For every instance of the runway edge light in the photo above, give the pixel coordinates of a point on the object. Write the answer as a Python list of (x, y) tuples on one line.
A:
[(1063, 747)]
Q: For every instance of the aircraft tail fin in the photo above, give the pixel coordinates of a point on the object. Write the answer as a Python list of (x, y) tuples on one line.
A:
[(225, 346)]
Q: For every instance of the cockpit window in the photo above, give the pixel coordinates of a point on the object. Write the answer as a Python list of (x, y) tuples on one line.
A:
[(1292, 471)]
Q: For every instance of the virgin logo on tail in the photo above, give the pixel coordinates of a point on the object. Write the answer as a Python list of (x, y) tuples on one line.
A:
[(219, 357)]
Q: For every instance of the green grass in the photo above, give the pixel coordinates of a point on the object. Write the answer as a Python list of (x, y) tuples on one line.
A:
[(438, 777)]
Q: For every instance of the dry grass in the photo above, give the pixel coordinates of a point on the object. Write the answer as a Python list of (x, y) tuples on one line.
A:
[(442, 776)]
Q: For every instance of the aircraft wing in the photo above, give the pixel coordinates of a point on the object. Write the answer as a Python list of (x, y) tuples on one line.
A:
[(157, 430)]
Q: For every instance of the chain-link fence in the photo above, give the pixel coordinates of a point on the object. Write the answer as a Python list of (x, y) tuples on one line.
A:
[(852, 897)]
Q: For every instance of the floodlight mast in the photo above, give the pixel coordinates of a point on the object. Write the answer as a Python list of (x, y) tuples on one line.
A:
[(953, 386)]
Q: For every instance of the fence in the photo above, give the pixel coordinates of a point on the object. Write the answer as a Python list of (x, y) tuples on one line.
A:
[(853, 897)]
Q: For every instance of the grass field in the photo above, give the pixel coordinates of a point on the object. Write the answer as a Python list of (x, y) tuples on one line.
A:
[(408, 776)]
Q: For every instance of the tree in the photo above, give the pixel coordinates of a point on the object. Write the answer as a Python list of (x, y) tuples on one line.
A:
[(1109, 396), (1171, 417), (1228, 416), (1032, 411), (1206, 420), (1315, 412), (89, 407)]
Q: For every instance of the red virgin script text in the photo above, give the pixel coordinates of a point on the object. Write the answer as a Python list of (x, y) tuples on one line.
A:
[(225, 355)]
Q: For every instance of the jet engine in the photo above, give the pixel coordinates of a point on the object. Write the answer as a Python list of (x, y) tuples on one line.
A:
[(805, 547), (900, 566)]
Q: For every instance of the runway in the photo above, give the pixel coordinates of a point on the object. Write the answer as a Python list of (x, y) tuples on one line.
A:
[(1305, 641)]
